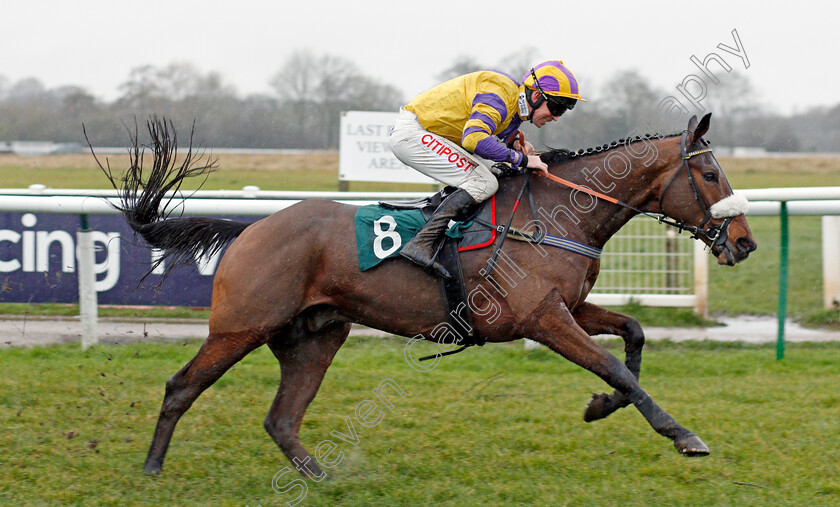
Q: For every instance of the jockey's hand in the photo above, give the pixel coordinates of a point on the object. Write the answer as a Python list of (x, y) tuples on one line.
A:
[(523, 146), (534, 162)]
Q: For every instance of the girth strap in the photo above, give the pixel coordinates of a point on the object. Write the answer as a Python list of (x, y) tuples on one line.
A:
[(570, 245)]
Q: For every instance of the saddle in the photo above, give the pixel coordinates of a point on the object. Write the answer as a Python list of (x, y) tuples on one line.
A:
[(476, 231)]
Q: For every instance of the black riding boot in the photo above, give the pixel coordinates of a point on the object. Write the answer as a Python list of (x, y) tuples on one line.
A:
[(423, 248)]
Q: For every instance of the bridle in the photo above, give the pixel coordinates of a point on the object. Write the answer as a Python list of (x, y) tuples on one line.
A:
[(716, 234)]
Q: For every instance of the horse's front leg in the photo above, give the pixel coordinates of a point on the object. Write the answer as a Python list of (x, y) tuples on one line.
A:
[(554, 326), (596, 320)]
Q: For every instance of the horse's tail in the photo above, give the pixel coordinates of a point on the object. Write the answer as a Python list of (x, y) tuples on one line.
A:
[(145, 204)]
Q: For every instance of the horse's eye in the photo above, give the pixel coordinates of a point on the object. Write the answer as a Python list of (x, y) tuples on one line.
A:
[(710, 177)]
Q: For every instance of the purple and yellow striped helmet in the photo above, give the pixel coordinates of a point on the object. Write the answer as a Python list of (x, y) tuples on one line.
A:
[(553, 78)]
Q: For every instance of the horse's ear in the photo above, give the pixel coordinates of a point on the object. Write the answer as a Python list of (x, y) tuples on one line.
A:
[(703, 127), (696, 129), (692, 124)]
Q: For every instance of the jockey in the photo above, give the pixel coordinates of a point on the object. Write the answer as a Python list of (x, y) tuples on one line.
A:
[(456, 131)]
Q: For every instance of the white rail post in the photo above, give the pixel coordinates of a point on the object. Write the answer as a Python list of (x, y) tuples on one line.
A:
[(86, 258), (831, 261), (701, 279)]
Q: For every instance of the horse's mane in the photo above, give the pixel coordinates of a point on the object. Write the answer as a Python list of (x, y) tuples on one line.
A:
[(557, 155)]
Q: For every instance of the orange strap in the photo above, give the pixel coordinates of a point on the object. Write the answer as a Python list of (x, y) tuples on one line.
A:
[(581, 188), (516, 135)]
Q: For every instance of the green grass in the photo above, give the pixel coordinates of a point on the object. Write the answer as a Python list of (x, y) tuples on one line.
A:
[(494, 426), (822, 318)]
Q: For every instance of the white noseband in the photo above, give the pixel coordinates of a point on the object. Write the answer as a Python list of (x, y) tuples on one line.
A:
[(732, 206)]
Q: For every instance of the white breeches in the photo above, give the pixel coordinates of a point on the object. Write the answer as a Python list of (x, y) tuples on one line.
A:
[(441, 159)]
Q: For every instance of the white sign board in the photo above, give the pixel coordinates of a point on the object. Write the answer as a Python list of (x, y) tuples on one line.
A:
[(365, 154)]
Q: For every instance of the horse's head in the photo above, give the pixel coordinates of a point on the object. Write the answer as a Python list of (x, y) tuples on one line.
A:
[(698, 194)]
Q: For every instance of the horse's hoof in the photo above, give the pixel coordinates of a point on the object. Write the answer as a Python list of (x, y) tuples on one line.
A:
[(691, 446), (152, 468), (599, 407)]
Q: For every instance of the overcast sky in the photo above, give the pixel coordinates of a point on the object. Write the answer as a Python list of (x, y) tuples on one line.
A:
[(791, 46)]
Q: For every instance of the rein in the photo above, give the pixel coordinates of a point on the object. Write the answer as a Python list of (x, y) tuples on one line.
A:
[(717, 234)]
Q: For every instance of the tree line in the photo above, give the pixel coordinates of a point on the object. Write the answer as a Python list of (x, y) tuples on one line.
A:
[(306, 102)]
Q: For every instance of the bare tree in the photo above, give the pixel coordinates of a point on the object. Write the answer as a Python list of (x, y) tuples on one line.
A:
[(629, 100), (293, 82), (297, 86), (315, 89), (149, 86), (142, 90), (733, 101)]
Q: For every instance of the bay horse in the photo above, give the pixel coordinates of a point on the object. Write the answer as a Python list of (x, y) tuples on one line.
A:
[(292, 280)]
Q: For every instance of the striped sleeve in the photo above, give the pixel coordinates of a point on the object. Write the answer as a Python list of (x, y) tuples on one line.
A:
[(488, 111)]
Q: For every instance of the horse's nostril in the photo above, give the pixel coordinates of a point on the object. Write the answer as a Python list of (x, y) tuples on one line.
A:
[(746, 245)]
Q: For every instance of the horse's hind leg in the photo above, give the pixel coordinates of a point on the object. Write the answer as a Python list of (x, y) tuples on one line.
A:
[(218, 353), (304, 358), (596, 320), (554, 326)]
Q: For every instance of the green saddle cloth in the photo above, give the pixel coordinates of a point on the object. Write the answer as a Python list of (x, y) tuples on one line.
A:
[(381, 232)]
